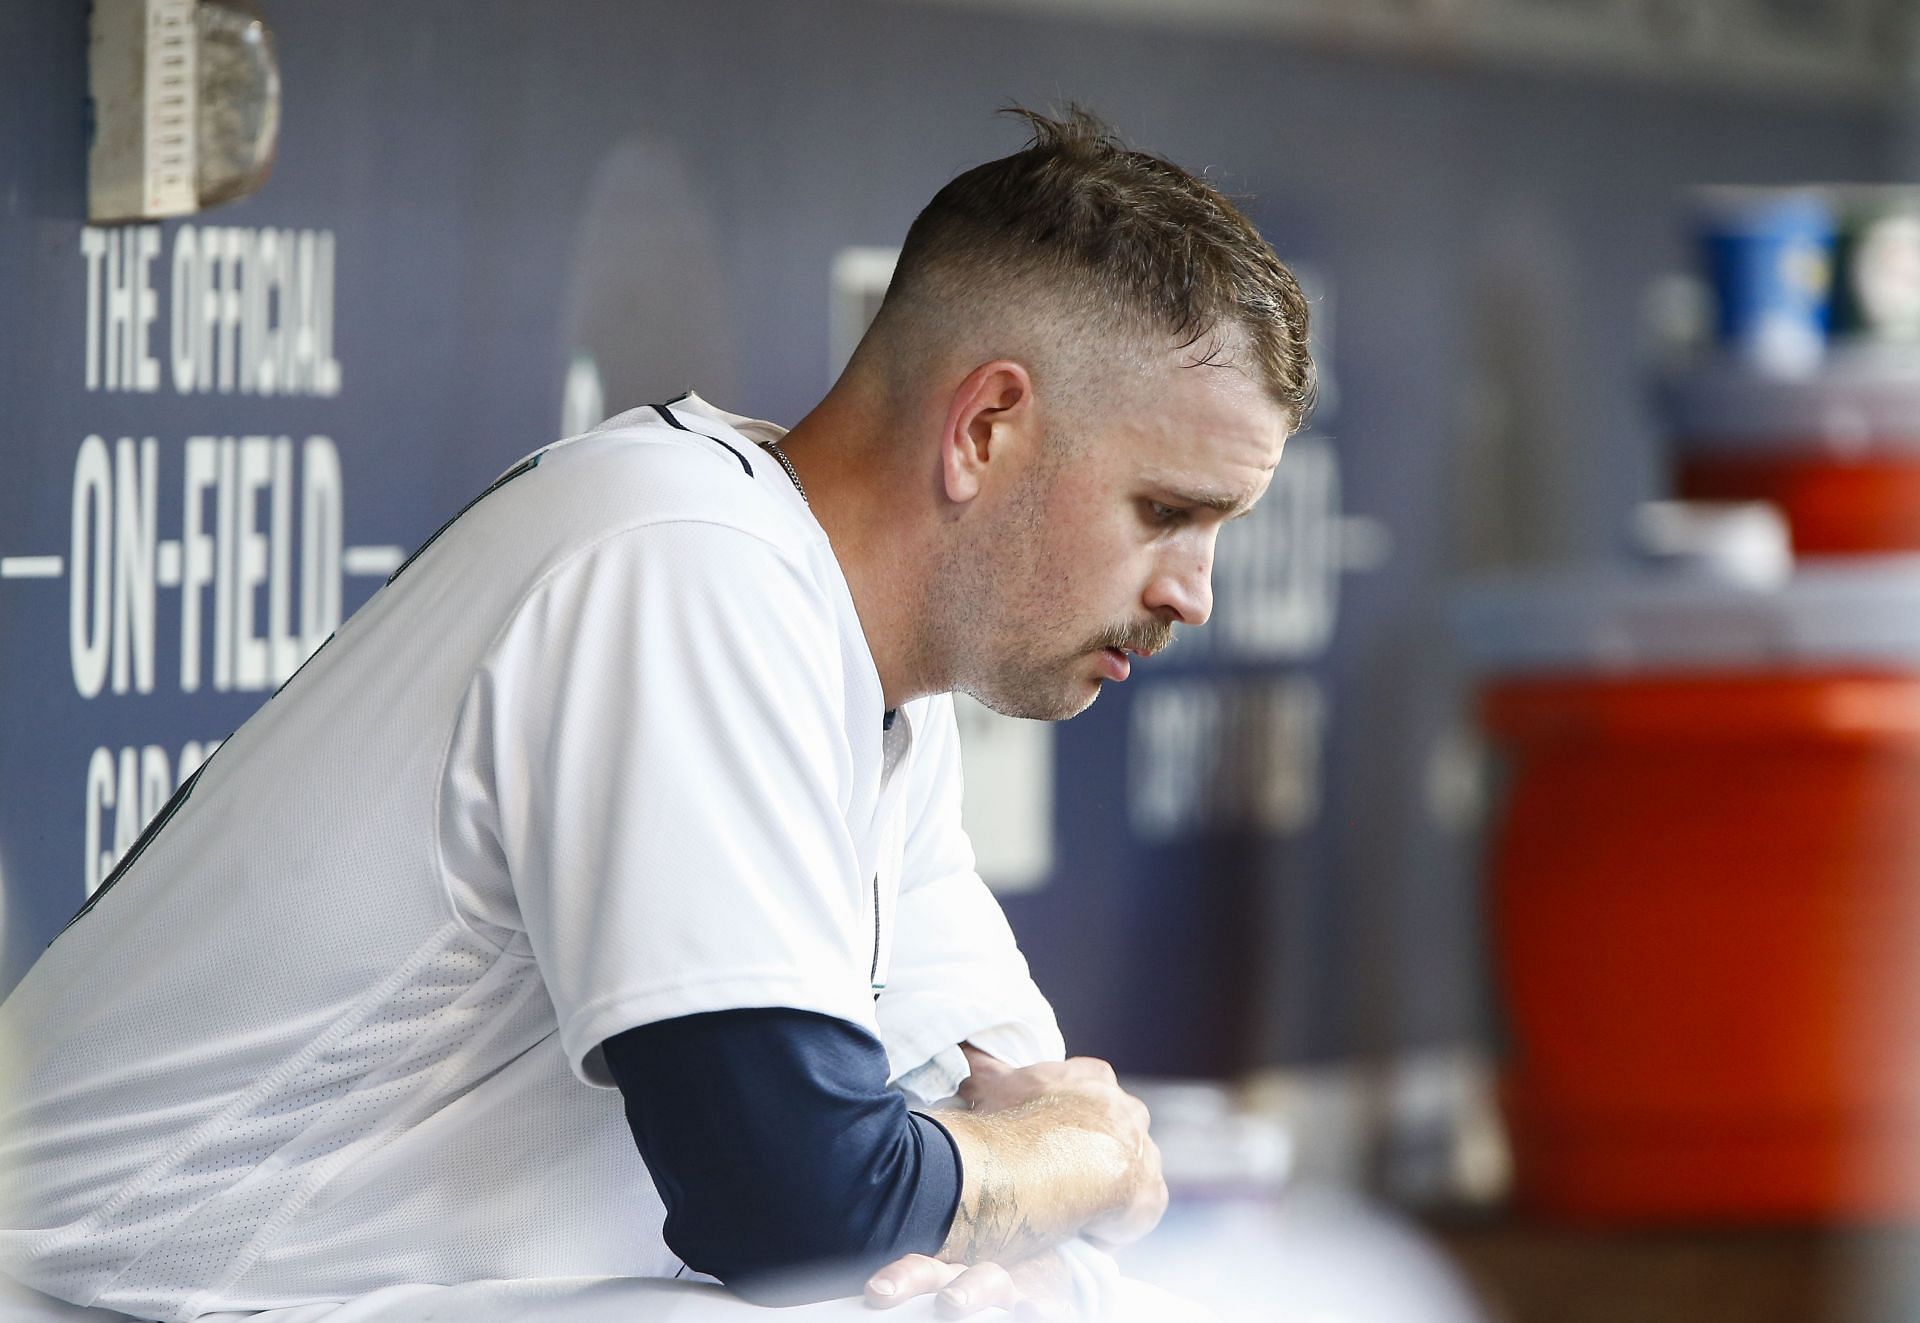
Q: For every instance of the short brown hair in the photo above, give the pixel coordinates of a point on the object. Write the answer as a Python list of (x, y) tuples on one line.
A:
[(1130, 233)]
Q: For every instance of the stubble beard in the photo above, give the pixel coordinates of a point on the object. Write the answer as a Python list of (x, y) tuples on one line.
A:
[(1049, 688), (1000, 669), (1007, 673), (1034, 695), (992, 639), (990, 636)]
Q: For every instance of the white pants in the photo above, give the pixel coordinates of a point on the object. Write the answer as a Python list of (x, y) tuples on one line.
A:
[(578, 1300)]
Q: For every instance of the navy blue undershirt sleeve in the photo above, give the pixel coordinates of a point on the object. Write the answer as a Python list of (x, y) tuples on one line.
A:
[(789, 1170)]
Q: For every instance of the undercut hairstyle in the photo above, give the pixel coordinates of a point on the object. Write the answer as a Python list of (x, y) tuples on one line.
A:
[(1111, 239)]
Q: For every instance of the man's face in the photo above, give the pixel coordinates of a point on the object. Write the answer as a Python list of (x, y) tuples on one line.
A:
[(1106, 541)]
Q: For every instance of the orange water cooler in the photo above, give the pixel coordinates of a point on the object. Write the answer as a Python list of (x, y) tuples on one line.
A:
[(1705, 889)]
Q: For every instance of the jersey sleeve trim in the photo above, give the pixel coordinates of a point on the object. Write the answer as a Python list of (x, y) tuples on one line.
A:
[(590, 1026)]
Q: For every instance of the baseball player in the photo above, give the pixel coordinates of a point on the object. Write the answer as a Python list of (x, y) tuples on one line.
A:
[(595, 902)]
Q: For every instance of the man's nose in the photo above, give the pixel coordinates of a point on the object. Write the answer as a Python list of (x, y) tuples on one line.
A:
[(1182, 587)]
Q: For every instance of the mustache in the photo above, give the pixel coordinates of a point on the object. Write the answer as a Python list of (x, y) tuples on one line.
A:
[(1147, 638)]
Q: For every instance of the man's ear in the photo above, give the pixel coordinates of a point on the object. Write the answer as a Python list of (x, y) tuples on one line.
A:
[(989, 414)]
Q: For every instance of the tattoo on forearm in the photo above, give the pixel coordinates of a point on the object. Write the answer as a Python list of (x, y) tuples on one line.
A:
[(991, 1225)]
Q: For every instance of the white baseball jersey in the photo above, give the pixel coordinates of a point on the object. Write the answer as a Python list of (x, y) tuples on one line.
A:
[(608, 751)]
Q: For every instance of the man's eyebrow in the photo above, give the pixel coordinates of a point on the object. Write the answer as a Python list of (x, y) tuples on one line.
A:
[(1227, 503)]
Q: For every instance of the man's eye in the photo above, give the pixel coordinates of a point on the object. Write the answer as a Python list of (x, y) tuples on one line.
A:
[(1164, 514)]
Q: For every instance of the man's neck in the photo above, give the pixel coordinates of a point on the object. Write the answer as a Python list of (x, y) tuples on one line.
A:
[(864, 496)]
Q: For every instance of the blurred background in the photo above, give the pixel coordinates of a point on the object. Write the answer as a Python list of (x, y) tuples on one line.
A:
[(1509, 904)]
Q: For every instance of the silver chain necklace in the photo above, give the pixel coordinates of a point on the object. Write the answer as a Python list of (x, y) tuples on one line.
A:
[(792, 472)]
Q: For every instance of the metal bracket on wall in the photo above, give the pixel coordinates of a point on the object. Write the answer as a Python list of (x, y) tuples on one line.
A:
[(186, 106)]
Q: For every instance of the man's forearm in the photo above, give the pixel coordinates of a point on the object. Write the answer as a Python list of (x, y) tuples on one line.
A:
[(1033, 1176)]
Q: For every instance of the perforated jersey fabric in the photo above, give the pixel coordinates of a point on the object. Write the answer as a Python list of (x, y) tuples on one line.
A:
[(608, 750)]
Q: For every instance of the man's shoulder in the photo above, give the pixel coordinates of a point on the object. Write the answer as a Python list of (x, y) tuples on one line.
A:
[(635, 471)]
